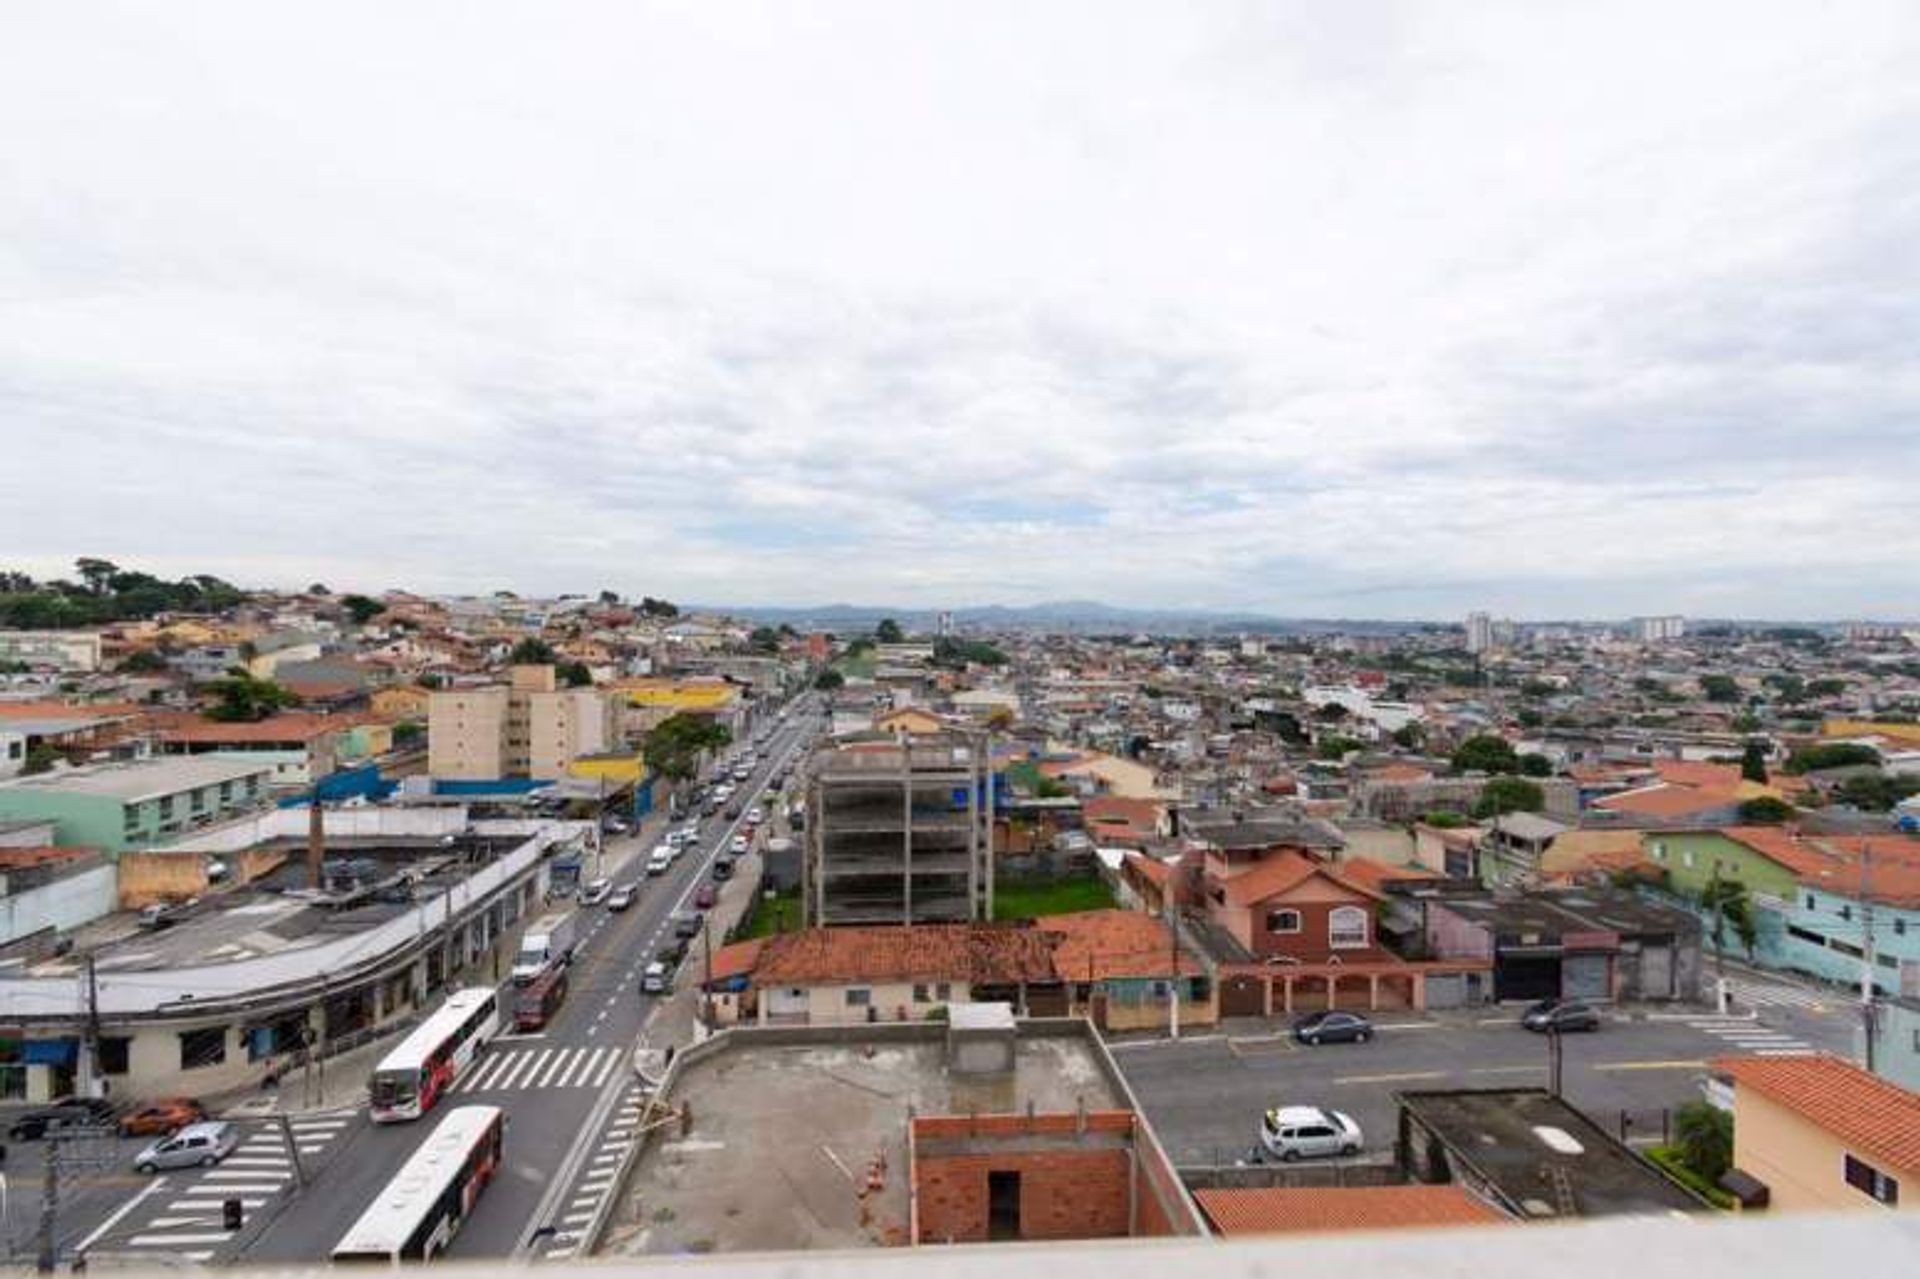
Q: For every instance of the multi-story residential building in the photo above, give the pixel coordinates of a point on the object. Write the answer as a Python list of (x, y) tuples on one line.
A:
[(54, 650), (900, 832), (1479, 632), (529, 727), (1659, 630), (127, 805)]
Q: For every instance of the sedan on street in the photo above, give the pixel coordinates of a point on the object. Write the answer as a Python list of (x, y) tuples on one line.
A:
[(1332, 1027), (1560, 1014), (1305, 1132)]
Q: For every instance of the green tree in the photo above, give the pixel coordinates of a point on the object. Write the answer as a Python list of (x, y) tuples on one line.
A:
[(533, 651), (651, 607), (574, 674), (1534, 764), (1331, 713), (1746, 722), (1720, 688), (1704, 1135), (96, 573), (1753, 761), (1335, 747), (362, 608), (1812, 759), (40, 759), (239, 697), (609, 598), (1728, 904), (1486, 753), (1442, 819), (889, 632), (829, 679), (765, 639), (1411, 735), (673, 746), (144, 661), (408, 732), (1876, 794), (318, 588), (1503, 795), (1765, 810)]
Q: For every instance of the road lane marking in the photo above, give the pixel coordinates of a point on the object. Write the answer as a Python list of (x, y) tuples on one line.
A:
[(1390, 1079), (167, 1241), (1678, 1064), (561, 1061), (153, 1188), (606, 1072), (1506, 1070)]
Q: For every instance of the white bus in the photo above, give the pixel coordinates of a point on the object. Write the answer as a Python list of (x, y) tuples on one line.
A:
[(426, 1063), (416, 1216)]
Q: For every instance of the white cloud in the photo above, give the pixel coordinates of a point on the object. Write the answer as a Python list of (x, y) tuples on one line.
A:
[(1382, 309)]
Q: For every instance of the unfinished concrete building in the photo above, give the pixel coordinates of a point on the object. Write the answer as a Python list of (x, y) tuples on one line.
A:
[(899, 832)]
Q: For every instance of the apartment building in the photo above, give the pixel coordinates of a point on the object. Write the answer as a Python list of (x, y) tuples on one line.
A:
[(129, 805), (51, 650), (900, 832), (528, 727)]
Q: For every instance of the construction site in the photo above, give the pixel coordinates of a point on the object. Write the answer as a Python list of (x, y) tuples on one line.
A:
[(900, 832)]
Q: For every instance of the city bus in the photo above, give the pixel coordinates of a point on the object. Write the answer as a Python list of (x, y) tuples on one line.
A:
[(534, 1005), (426, 1063), (416, 1216)]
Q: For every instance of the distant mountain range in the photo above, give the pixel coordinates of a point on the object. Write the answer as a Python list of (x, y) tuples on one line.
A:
[(1058, 617)]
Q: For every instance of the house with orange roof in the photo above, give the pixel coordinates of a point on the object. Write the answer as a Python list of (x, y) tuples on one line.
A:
[(1819, 1134), (1294, 906)]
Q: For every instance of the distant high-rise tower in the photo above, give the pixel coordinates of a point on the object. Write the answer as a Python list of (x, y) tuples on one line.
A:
[(945, 624), (1658, 630), (1479, 632)]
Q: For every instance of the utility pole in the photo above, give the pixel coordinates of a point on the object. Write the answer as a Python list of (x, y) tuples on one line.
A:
[(1867, 959), (1173, 981), (90, 1040), (1719, 942), (1555, 1059), (49, 1202)]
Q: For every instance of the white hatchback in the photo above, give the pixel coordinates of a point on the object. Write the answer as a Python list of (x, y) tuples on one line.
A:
[(1306, 1132)]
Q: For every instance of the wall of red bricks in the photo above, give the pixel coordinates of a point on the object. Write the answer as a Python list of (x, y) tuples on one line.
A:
[(1064, 1194)]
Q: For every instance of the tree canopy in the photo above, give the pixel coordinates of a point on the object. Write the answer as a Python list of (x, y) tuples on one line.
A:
[(362, 608), (107, 593), (958, 653), (1720, 688), (889, 632), (574, 674), (1753, 762), (1811, 759), (672, 747), (1503, 795), (1765, 810), (1486, 753), (651, 607), (239, 697), (533, 651), (829, 679)]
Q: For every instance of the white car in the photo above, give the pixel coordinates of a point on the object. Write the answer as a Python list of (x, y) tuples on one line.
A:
[(755, 816), (595, 892), (738, 845), (659, 862), (1305, 1132)]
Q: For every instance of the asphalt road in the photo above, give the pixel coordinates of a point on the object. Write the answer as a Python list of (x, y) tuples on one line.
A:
[(1205, 1095), (559, 1088)]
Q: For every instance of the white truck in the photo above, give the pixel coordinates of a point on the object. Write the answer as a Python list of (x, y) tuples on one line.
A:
[(547, 944)]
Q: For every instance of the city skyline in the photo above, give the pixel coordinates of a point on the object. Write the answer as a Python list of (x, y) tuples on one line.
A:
[(1394, 313)]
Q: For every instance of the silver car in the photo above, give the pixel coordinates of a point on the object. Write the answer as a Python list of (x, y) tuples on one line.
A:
[(1305, 1132), (195, 1146)]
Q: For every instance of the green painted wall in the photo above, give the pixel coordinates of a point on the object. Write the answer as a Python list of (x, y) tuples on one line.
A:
[(1670, 851)]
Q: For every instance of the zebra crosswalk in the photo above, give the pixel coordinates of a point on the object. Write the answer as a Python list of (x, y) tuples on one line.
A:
[(1768, 994), (187, 1224), (1744, 1035), (520, 1069)]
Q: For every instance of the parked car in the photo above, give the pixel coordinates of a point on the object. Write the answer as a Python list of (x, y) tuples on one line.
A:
[(595, 892), (722, 869), (739, 845), (705, 896), (686, 923), (158, 1118), (67, 1112), (1560, 1014), (671, 951), (622, 897), (195, 1146), (1307, 1132), (731, 811), (659, 861), (1332, 1027), (755, 816), (615, 826), (656, 980)]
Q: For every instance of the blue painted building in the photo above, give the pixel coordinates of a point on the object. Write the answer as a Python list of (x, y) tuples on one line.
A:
[(1826, 930)]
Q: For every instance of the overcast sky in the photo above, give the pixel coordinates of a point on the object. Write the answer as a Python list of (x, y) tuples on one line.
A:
[(1322, 309)]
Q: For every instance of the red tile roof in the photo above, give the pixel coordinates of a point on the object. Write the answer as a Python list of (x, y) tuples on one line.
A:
[(288, 726), (1282, 873), (922, 952), (41, 855), (1142, 814), (1785, 848), (1097, 945), (1861, 1109), (1151, 869), (1365, 872), (1278, 1209)]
